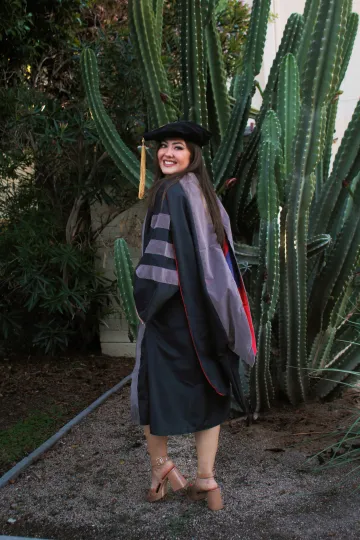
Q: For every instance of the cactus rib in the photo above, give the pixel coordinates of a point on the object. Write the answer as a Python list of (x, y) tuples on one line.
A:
[(318, 244), (288, 109), (323, 211), (217, 75), (350, 37), (142, 22), (340, 263), (226, 156), (123, 158)]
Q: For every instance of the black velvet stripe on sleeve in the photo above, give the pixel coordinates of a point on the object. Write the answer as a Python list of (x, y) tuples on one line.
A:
[(158, 234), (156, 280), (158, 260)]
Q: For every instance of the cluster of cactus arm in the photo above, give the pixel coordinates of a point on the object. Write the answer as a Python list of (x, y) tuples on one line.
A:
[(302, 220)]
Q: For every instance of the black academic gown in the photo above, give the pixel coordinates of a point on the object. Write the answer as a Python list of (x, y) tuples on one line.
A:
[(181, 383)]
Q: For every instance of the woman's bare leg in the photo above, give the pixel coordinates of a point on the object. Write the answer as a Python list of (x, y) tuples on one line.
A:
[(206, 447), (157, 448)]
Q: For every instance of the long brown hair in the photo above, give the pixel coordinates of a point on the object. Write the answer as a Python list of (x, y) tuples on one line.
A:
[(196, 166)]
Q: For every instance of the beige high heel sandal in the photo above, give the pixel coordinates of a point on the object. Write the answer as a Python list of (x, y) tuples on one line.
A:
[(213, 496), (174, 476)]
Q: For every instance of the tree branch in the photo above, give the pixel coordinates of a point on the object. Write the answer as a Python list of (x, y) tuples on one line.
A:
[(40, 65), (71, 225), (96, 233)]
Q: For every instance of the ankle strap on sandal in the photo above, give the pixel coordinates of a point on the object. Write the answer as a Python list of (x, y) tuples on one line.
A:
[(158, 462), (204, 476)]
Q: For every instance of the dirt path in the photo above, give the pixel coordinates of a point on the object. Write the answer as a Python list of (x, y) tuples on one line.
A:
[(91, 486), (38, 395)]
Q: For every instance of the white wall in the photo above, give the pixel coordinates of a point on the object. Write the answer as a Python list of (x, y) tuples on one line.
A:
[(113, 327), (351, 84)]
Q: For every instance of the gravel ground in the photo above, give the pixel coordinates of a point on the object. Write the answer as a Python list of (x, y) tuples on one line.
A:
[(91, 485)]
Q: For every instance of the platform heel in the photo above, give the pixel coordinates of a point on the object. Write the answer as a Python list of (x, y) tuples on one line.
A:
[(213, 496), (214, 500), (172, 476), (176, 479)]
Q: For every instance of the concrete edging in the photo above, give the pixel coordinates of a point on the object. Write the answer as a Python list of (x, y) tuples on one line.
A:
[(19, 538), (31, 458)]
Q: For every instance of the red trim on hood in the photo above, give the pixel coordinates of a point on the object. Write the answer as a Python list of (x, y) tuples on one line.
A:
[(244, 299), (245, 302)]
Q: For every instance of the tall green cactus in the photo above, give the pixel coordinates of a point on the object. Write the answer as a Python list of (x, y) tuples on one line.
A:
[(310, 17), (122, 156), (192, 54), (158, 7), (351, 21), (144, 27), (217, 75), (125, 277), (350, 37), (346, 164), (267, 292), (342, 262), (288, 108), (296, 226), (318, 85), (289, 44), (231, 145)]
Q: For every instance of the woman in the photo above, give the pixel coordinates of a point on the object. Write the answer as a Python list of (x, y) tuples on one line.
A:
[(195, 318)]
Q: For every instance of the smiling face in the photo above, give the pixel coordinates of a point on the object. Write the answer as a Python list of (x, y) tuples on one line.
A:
[(173, 156)]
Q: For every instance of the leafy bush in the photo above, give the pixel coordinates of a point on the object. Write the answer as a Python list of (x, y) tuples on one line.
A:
[(53, 168), (49, 290)]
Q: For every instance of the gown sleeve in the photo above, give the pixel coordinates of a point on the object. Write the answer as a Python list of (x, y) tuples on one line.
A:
[(156, 276)]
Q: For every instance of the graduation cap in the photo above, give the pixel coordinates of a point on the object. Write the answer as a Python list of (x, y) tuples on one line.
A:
[(186, 130)]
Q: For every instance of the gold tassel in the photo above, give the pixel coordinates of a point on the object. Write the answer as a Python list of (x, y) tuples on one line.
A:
[(142, 171)]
